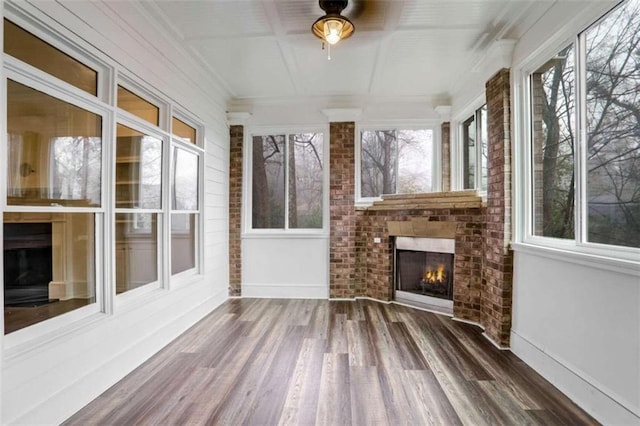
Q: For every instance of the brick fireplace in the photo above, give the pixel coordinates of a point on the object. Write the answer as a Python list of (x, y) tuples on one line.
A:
[(455, 215)]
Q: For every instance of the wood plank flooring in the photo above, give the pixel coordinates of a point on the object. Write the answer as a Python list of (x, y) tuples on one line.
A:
[(303, 362)]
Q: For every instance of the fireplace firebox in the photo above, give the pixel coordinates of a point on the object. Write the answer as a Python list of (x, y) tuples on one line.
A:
[(424, 267)]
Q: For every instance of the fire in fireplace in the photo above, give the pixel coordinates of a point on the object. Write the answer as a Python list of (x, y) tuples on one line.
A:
[(424, 266)]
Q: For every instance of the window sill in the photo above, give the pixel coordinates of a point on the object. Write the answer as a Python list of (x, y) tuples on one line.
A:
[(593, 258)]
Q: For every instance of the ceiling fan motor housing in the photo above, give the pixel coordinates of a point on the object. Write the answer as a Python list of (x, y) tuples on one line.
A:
[(333, 6)]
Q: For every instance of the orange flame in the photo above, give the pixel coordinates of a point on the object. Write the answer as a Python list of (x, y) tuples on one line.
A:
[(437, 276)]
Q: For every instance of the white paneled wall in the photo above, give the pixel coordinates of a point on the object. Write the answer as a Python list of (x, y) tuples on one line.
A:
[(45, 382)]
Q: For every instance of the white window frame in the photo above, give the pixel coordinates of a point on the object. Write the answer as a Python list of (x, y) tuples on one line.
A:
[(578, 250), (28, 338), (31, 338), (129, 120), (188, 275), (436, 166), (247, 190), (457, 148)]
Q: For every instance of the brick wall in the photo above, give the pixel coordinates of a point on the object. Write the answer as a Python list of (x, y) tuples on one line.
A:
[(468, 254), (446, 156), (498, 258), (342, 221), (236, 136)]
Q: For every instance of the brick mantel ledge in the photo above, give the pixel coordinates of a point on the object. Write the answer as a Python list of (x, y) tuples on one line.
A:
[(432, 200)]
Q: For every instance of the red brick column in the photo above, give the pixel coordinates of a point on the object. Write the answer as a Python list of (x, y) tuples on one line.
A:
[(236, 137), (342, 225), (498, 258), (446, 156)]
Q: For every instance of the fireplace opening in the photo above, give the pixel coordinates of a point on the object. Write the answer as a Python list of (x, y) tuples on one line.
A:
[(27, 263), (424, 266)]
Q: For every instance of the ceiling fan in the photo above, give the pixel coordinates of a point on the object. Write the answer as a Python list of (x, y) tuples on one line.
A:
[(333, 26)]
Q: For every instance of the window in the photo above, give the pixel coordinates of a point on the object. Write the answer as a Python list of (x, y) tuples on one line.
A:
[(138, 197), (138, 106), (474, 151), (53, 204), (288, 181), (183, 130), (55, 216), (396, 162), (585, 167), (53, 160), (185, 207), (30, 49)]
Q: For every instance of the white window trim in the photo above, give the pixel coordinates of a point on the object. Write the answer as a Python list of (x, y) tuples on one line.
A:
[(125, 118), (247, 178), (26, 340), (457, 146), (576, 250), (32, 337), (433, 125), (181, 278)]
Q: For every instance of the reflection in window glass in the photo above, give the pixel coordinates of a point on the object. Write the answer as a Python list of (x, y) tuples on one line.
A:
[(54, 150), (183, 130), (138, 169), (396, 162), (184, 180), (183, 242), (305, 180), (137, 106), (469, 153), (553, 129), (484, 150), (136, 250), (30, 49), (613, 123), (49, 266), (268, 182)]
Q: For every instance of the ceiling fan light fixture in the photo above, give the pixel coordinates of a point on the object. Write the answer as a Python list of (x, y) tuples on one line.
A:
[(332, 28)]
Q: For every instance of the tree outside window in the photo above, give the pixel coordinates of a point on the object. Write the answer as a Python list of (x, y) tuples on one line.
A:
[(396, 162), (287, 181), (610, 84)]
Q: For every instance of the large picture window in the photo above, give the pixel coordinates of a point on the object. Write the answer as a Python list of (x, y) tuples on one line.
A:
[(288, 181), (585, 174), (396, 161)]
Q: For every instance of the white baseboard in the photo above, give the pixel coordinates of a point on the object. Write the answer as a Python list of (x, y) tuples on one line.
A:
[(285, 291), (600, 403)]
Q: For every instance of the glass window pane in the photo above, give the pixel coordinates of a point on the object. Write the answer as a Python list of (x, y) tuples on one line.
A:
[(137, 106), (138, 170), (183, 242), (613, 123), (54, 150), (469, 153), (553, 111), (49, 266), (183, 130), (268, 198), (30, 49), (305, 180), (136, 250), (484, 150), (415, 161), (378, 163), (184, 180)]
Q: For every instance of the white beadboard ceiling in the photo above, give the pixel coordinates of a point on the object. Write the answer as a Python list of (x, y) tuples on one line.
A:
[(264, 49)]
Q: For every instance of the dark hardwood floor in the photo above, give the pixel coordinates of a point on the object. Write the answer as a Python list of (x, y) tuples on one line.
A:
[(268, 362)]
